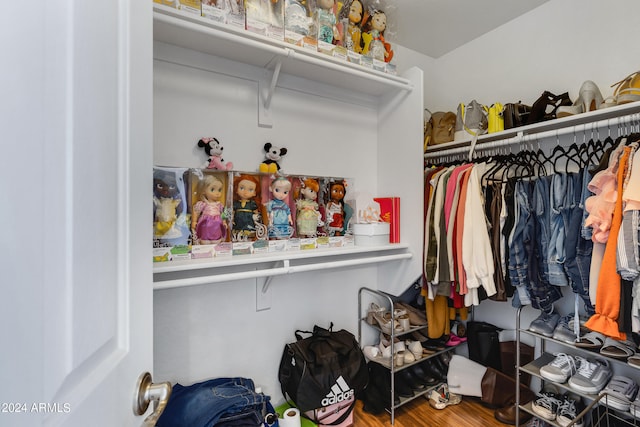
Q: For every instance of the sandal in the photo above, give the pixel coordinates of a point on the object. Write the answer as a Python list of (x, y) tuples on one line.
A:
[(591, 341), (634, 361), (628, 89), (618, 349)]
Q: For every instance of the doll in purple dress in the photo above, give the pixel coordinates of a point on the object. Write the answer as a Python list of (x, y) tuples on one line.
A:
[(207, 223)]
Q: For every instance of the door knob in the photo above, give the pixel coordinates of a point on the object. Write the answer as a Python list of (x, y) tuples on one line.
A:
[(146, 392)]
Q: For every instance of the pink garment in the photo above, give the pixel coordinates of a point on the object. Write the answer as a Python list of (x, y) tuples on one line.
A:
[(459, 229), (449, 195), (600, 206)]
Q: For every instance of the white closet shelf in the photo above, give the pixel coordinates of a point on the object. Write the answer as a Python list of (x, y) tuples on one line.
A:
[(578, 123), (191, 31), (175, 274)]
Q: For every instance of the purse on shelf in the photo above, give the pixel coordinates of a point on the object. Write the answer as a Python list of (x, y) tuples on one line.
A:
[(439, 128), (471, 121), (496, 119), (515, 114)]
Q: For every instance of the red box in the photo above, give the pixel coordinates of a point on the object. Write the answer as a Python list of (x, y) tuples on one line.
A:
[(390, 212)]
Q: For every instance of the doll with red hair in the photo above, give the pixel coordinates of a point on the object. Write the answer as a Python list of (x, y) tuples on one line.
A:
[(247, 209)]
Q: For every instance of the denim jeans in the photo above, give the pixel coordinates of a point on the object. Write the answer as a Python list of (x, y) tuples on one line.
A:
[(519, 246), (559, 192), (542, 201), (578, 249), (214, 401)]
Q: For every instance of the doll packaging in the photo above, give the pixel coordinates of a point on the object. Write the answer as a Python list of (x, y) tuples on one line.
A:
[(249, 232), (280, 207), (329, 30), (171, 3), (230, 12), (171, 236), (298, 24), (210, 213), (339, 212), (190, 6), (265, 17)]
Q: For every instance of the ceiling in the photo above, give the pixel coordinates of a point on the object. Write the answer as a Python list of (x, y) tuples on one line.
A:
[(435, 27)]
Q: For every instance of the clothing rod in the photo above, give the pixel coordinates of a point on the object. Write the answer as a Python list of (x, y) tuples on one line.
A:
[(217, 278), (626, 120)]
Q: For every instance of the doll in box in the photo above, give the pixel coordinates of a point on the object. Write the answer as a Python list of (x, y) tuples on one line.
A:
[(307, 213), (374, 44), (278, 211), (167, 205), (247, 209), (335, 209), (326, 21), (353, 15), (207, 222)]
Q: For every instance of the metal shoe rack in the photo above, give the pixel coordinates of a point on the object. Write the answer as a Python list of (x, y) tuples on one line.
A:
[(388, 302), (597, 413)]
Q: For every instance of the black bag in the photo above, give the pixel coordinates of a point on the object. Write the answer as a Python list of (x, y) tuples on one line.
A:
[(483, 344), (516, 115), (324, 369)]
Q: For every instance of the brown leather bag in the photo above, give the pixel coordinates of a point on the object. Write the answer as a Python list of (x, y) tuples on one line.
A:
[(439, 128), (499, 390)]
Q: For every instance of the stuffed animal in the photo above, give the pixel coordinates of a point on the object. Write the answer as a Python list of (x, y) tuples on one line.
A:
[(214, 148), (272, 156)]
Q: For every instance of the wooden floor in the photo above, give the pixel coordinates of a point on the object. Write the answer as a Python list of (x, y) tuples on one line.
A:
[(469, 413)]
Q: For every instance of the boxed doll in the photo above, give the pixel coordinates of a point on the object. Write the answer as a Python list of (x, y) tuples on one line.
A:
[(249, 231), (329, 30), (191, 6), (170, 212), (338, 209), (298, 23), (265, 17), (350, 17), (230, 12), (309, 210), (280, 207), (210, 211)]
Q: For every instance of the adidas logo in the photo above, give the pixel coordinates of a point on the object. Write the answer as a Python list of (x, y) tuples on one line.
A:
[(340, 391)]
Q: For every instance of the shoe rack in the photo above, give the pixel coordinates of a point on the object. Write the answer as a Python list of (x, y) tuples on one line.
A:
[(598, 417), (365, 295)]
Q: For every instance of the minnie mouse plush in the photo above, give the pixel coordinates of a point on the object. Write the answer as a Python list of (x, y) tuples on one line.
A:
[(214, 148)]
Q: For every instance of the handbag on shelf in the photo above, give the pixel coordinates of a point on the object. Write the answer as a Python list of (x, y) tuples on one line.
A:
[(496, 119), (439, 128), (515, 114), (471, 121)]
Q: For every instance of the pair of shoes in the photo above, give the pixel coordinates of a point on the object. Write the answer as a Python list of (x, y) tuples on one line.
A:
[(547, 106), (546, 405), (423, 375), (618, 349), (454, 340), (406, 379), (387, 324), (591, 341), (374, 309), (441, 397), (592, 376), (627, 89), (620, 392), (415, 348), (416, 317), (569, 410), (589, 99), (561, 368), (545, 323), (565, 331)]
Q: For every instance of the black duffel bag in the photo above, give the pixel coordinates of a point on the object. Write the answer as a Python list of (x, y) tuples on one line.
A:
[(324, 369)]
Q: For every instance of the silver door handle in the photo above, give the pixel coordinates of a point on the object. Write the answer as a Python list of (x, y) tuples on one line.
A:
[(147, 392)]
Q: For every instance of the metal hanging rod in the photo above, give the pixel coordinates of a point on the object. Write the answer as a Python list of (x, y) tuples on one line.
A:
[(536, 133)]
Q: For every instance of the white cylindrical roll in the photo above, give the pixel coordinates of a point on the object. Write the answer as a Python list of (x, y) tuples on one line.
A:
[(290, 418)]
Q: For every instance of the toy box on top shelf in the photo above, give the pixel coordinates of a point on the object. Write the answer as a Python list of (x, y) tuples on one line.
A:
[(249, 233), (171, 3), (338, 211), (280, 207), (170, 214), (265, 17), (350, 17), (191, 6), (210, 209), (376, 50), (229, 12), (329, 31), (298, 23)]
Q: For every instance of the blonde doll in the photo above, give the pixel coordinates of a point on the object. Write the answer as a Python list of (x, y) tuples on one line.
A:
[(207, 223)]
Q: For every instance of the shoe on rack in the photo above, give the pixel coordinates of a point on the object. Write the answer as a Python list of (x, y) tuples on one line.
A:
[(620, 392), (589, 99), (441, 397), (373, 310), (591, 377), (545, 323), (561, 367), (564, 331), (425, 377), (546, 405), (591, 341), (546, 107), (411, 380), (415, 348), (416, 317), (569, 410), (401, 386)]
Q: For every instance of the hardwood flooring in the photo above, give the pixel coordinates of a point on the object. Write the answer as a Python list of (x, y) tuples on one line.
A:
[(417, 413)]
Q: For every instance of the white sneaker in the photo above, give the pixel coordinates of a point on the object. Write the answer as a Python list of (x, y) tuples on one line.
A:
[(561, 368), (546, 405), (591, 377)]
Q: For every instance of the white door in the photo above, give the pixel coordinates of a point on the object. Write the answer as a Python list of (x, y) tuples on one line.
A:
[(75, 264)]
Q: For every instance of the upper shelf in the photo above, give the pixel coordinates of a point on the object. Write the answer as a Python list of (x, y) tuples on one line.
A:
[(579, 123), (190, 31)]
